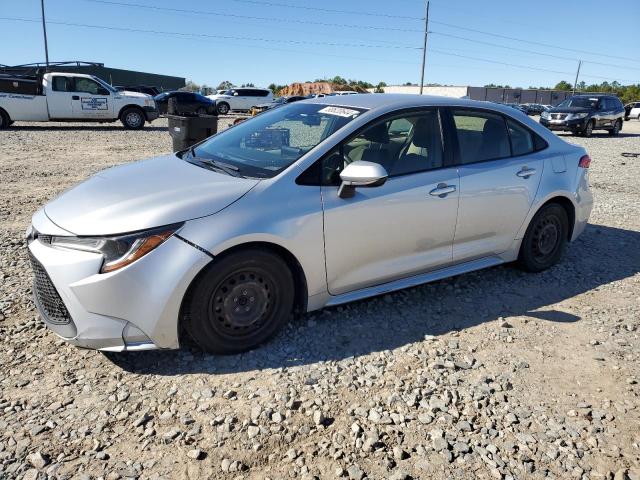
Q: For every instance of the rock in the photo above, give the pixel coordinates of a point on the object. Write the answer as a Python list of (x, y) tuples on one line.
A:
[(440, 444), (355, 473), (461, 447), (318, 417), (253, 431), (195, 454), (38, 460)]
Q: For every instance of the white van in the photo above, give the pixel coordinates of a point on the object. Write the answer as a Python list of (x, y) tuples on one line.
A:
[(241, 98)]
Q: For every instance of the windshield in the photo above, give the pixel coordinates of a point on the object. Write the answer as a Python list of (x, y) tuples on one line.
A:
[(582, 102), (105, 85), (268, 143)]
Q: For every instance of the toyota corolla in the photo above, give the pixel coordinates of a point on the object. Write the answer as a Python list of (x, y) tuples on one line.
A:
[(314, 204)]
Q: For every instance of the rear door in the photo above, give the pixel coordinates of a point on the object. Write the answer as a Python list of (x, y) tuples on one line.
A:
[(59, 95), (91, 100), (500, 169)]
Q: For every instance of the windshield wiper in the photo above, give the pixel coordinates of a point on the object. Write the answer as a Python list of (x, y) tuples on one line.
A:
[(225, 167)]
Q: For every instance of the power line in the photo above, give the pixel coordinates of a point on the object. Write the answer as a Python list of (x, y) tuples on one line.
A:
[(205, 35), (326, 10), (250, 17), (506, 37), (532, 51), (526, 67)]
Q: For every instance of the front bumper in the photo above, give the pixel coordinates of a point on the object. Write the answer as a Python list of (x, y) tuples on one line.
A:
[(135, 308), (151, 113), (565, 125)]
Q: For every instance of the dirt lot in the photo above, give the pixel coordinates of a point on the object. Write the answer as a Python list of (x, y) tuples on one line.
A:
[(495, 374)]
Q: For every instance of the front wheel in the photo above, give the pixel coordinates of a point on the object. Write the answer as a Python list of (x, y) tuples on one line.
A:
[(545, 240), (223, 108), (616, 128), (588, 130), (239, 302), (132, 119)]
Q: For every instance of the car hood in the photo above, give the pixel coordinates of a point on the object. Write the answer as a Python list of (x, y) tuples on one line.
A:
[(570, 110), (129, 94), (146, 194)]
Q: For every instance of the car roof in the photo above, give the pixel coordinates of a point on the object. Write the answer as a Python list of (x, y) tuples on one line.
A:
[(375, 101)]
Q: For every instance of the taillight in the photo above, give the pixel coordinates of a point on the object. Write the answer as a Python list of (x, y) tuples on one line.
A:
[(585, 161)]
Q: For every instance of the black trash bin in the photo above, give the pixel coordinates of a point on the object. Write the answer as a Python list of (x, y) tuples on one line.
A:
[(186, 131)]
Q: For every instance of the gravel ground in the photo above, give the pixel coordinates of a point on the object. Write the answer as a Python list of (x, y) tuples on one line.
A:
[(495, 374)]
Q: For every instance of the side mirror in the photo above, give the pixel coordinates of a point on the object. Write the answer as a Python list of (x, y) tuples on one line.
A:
[(361, 174)]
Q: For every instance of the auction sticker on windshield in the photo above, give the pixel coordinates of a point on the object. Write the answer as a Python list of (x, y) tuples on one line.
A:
[(340, 111)]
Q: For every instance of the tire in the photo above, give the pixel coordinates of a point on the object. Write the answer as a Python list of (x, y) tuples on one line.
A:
[(223, 108), (132, 118), (588, 129), (255, 280), (616, 128), (5, 121), (545, 240)]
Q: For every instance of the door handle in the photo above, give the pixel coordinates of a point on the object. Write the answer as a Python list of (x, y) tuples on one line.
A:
[(442, 190), (526, 172), (75, 97)]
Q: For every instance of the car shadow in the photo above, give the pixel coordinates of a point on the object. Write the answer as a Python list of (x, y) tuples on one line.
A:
[(600, 256), (88, 128)]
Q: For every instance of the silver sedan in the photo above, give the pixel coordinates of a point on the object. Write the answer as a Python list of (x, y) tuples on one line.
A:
[(314, 204)]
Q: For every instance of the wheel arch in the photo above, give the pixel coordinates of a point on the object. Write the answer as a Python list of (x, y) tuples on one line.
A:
[(300, 280), (565, 202), (6, 116), (132, 105)]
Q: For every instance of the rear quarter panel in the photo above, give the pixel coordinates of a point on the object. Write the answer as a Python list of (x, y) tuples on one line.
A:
[(25, 107)]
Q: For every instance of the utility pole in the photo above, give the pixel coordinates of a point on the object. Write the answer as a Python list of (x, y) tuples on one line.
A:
[(424, 47), (575, 84), (44, 31)]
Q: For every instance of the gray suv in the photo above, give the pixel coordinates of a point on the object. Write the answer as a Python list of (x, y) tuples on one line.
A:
[(582, 114)]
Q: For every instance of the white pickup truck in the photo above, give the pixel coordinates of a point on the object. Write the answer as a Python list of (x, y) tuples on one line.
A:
[(71, 97)]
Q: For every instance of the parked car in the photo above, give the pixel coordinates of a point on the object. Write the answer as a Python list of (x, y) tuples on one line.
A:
[(533, 108), (518, 107), (241, 99), (346, 92), (227, 238), (582, 114), (278, 102), (71, 97), (632, 110), (153, 91), (187, 102)]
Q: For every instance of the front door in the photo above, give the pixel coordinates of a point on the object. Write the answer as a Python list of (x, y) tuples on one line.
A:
[(500, 171), (59, 97), (91, 100), (401, 228)]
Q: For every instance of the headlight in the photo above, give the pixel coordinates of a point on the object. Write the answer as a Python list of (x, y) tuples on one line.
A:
[(576, 116), (148, 102), (118, 251), (544, 114)]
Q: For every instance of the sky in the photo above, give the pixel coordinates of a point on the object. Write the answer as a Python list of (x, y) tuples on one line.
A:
[(470, 42)]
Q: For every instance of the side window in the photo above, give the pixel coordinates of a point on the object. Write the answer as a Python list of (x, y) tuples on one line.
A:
[(522, 141), (86, 85), (243, 92), (408, 144), (262, 93), (481, 136), (61, 84)]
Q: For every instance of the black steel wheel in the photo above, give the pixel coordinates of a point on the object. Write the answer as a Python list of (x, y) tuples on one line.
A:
[(545, 239), (588, 129), (239, 302)]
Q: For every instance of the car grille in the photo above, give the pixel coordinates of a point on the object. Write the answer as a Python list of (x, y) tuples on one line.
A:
[(48, 297), (558, 116)]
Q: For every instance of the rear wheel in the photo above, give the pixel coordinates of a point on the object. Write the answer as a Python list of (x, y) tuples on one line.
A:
[(5, 121), (132, 119), (616, 128), (545, 239), (239, 302)]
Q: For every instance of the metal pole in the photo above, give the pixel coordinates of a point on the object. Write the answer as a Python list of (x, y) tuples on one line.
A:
[(575, 84), (424, 47), (44, 31)]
